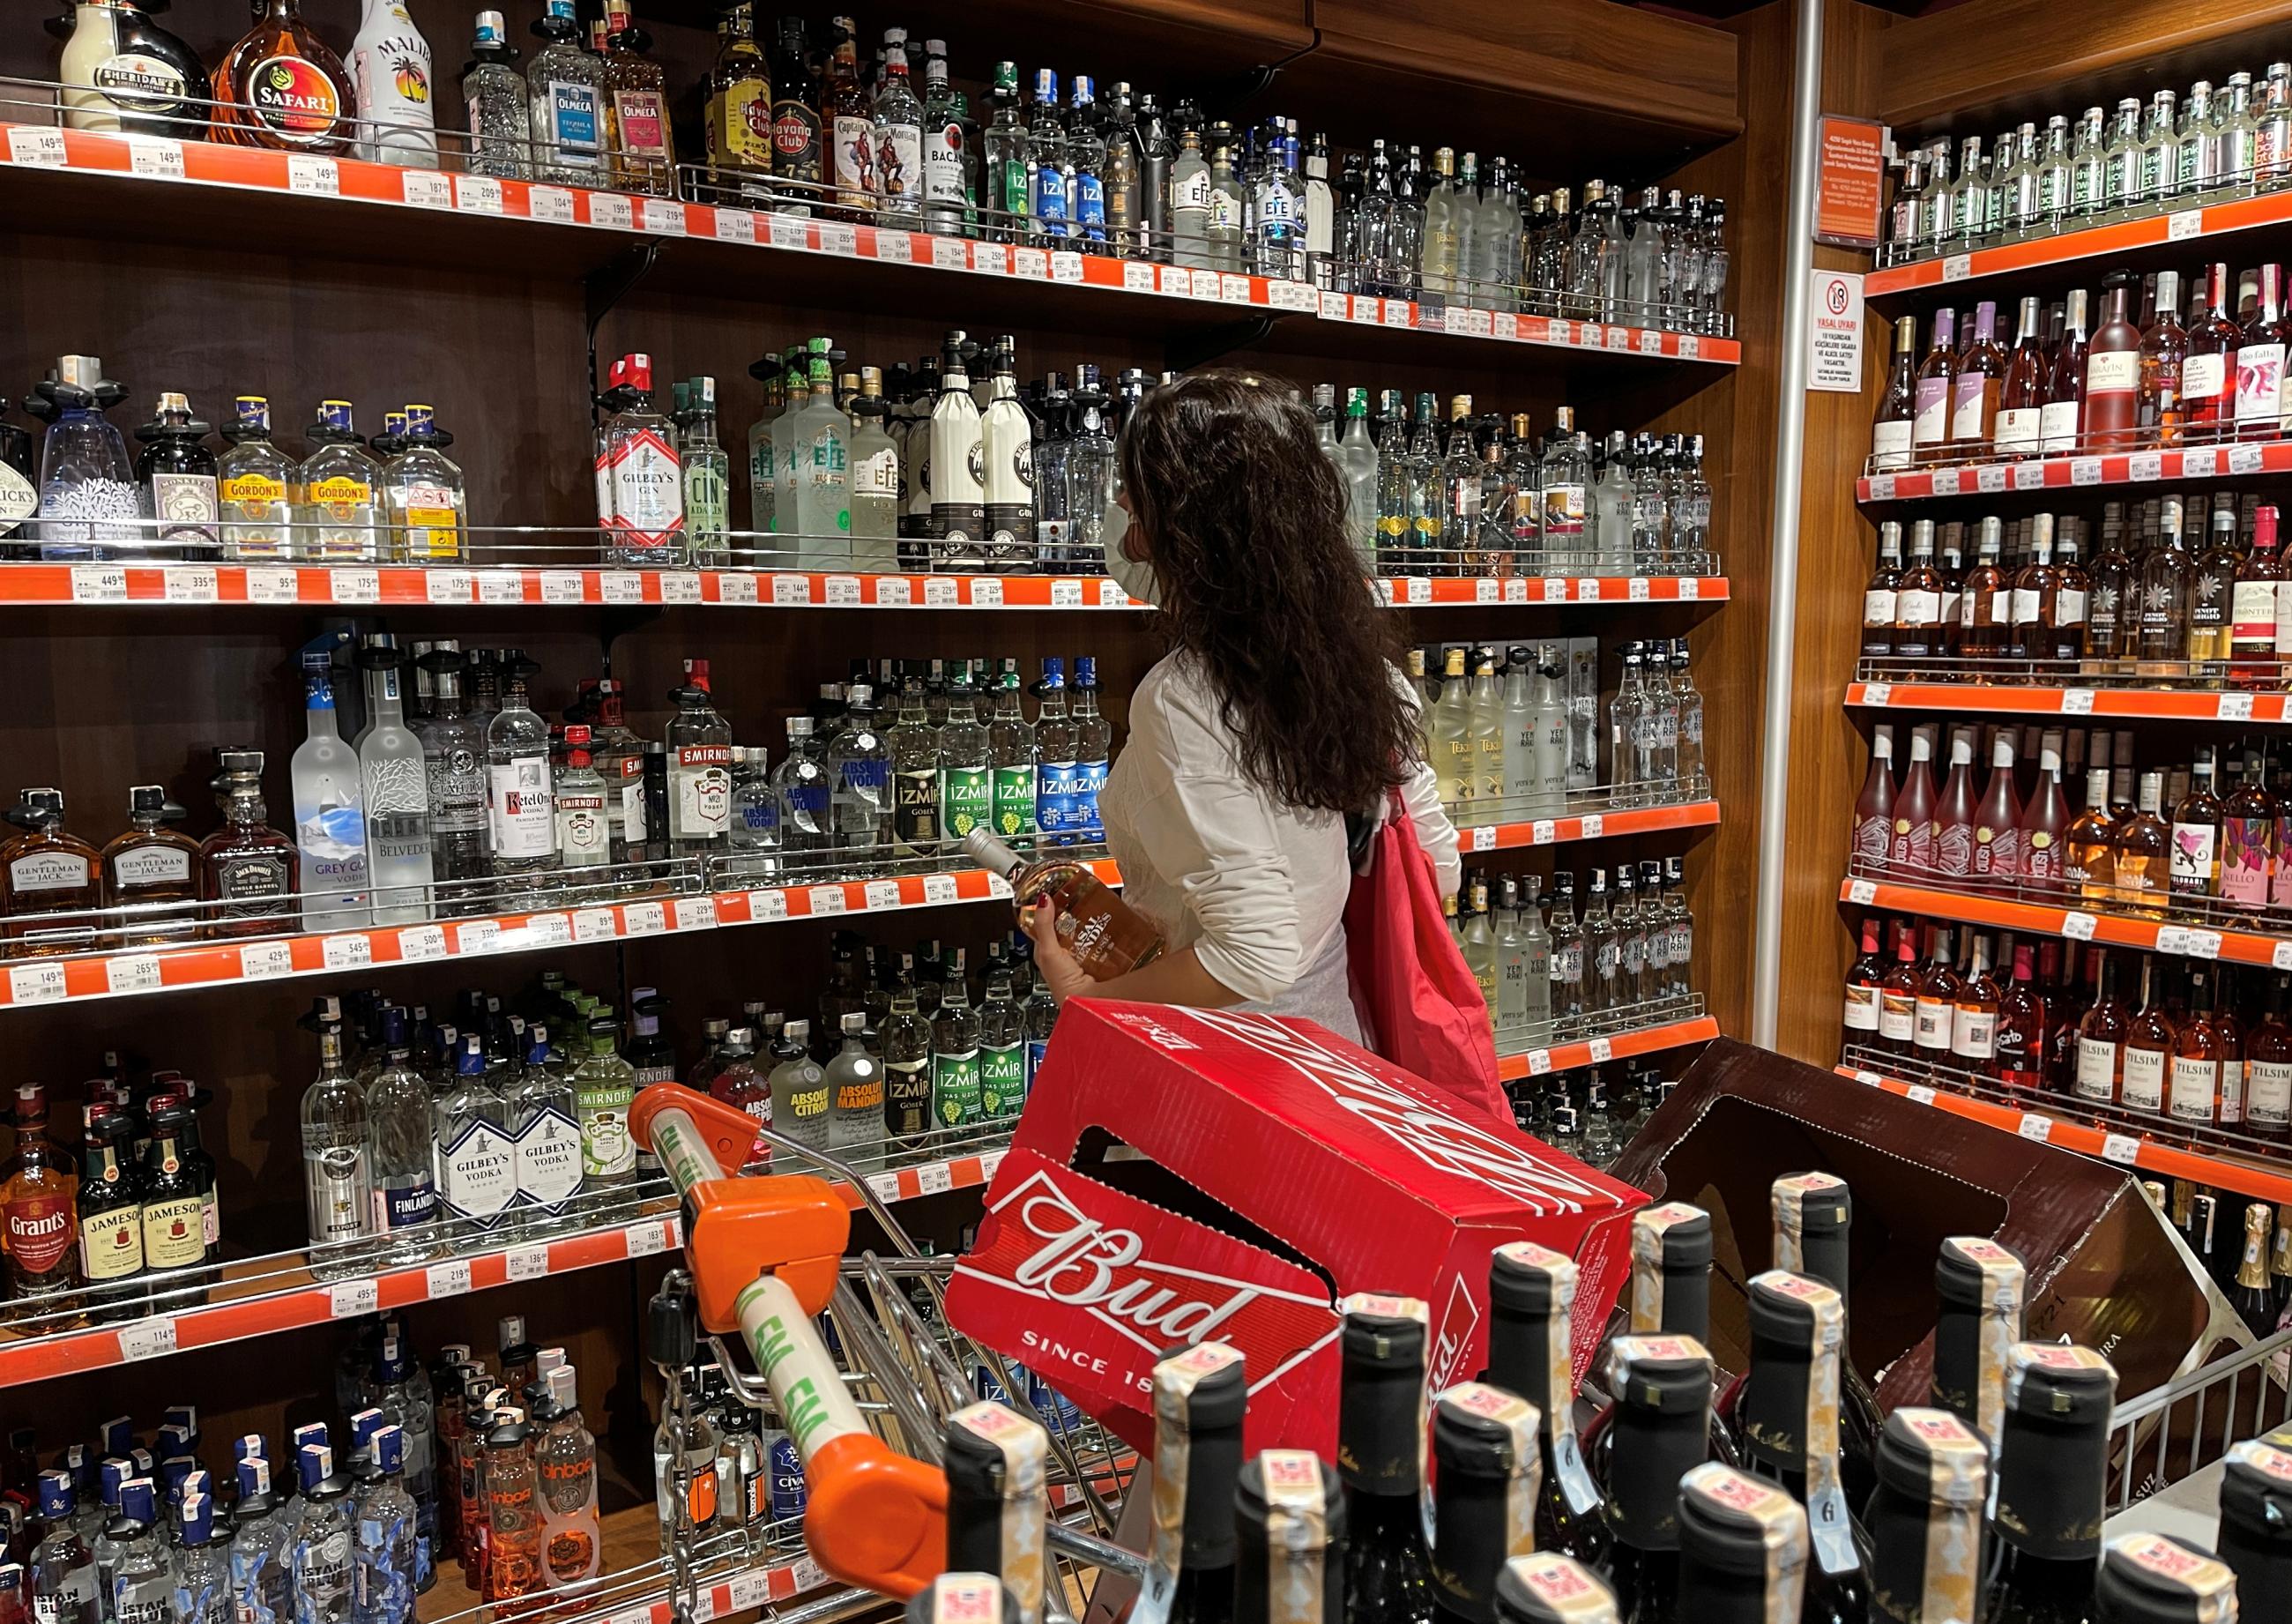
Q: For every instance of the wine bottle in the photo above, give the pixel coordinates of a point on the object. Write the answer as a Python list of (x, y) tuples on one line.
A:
[(1742, 1549), (2251, 1299), (2256, 1523), (1814, 1225), (2155, 1579), (1979, 1284), (1381, 1456), (1924, 1518), (1484, 1446), (997, 1502), (962, 1598), (2052, 1457), (1289, 1536), (1551, 1587), (1663, 1391), (1788, 1422), (1532, 1295), (1199, 1396), (1671, 1285)]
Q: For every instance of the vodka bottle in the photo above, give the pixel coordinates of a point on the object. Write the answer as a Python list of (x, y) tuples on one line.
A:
[(143, 1570), (392, 767), (203, 1568), (389, 1551), (63, 1577), (806, 795), (603, 1086), (1229, 208), (965, 773), (854, 1080), (320, 1551), (329, 813), (700, 768), (1090, 472), (1488, 731), (1050, 191), (1356, 458), (1189, 202), (799, 1097), (860, 767), (1007, 201), (794, 394), (454, 762), (539, 1110), (1660, 708), (1518, 789), (405, 1188), (521, 816), (584, 840), (1550, 703), (1565, 473), (1630, 735), (875, 476), (477, 1160), (1055, 773), (1007, 459), (1688, 760), (337, 1156), (1085, 170), (1093, 748), (755, 834), (913, 745), (1614, 504), (955, 1090), (958, 490)]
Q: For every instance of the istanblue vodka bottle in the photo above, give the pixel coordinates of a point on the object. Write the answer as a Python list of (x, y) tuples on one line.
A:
[(202, 1566), (143, 1573), (329, 813), (320, 1560), (260, 1586), (387, 1564), (63, 1569)]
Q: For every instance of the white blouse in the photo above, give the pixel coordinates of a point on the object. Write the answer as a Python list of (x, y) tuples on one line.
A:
[(1255, 888)]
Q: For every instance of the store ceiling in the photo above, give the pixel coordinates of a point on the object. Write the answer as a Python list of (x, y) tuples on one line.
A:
[(1696, 11)]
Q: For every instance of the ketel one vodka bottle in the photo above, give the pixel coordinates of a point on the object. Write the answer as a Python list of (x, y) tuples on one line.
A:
[(1531, 1297), (1380, 1453), (1105, 936), (1979, 1285), (1742, 1549), (2053, 1460), (639, 476), (1289, 1540), (1199, 1396), (999, 1500), (1484, 1445), (1925, 1519)]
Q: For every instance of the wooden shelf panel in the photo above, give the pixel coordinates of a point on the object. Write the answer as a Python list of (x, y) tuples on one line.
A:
[(2008, 700)]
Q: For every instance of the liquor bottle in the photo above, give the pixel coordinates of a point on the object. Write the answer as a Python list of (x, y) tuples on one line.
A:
[(403, 1166), (110, 1212), (2209, 374), (1954, 812), (1874, 807), (2260, 361), (1925, 1518), (797, 122), (958, 497), (636, 113), (641, 476), (948, 209), (1106, 938), (512, 1513), (39, 1210), (1937, 999), (2142, 863), (454, 762), (2112, 377), (2164, 358), (1199, 1395), (1977, 386), (2021, 1057), (2212, 595), (1892, 430), (740, 114), (2146, 1050), (397, 104), (1909, 849), (2254, 1302), (569, 103), (603, 1086), (175, 474), (521, 817), (337, 1156), (1813, 1227), (2252, 1506), (497, 103), (2045, 819), (1291, 1538), (957, 1092), (281, 87), (1657, 1434), (2258, 605), (1929, 419), (336, 502), (2019, 430), (2194, 852), (1550, 1589), (700, 777), (150, 871), (122, 73), (2052, 1458), (395, 795), (1743, 1555), (2063, 415), (1484, 1443), (329, 812), (249, 870), (476, 1156), (1380, 1443), (2268, 1070)]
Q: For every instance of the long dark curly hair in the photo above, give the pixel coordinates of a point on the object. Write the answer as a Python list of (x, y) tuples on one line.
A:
[(1242, 516)]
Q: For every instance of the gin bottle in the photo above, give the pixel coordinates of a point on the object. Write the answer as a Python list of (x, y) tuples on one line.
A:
[(329, 814), (392, 768), (641, 478), (454, 762), (424, 493), (477, 1160), (539, 1110), (404, 1163), (521, 816), (175, 482), (875, 475), (603, 1086), (823, 465), (337, 511), (88, 504), (956, 1098), (337, 1154), (253, 480), (494, 95), (707, 482)]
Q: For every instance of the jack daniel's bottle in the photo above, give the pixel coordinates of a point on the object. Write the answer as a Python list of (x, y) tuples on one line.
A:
[(2053, 1457), (1199, 1396), (1742, 1549), (1289, 1536), (1485, 1450), (1979, 1284), (2255, 1526), (1925, 1519), (1531, 1296), (1788, 1422), (1814, 1225), (997, 1502), (1663, 1396), (1381, 1456), (1550, 1589), (2152, 1578)]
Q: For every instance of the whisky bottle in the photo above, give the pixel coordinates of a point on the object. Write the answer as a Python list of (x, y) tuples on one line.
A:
[(151, 872), (1814, 1221), (247, 871), (2255, 1508), (1742, 1549), (1289, 1541), (1663, 1392), (1531, 1296), (110, 1216), (1103, 933), (1925, 1519), (996, 1500), (50, 872), (39, 1217), (2150, 1578), (1788, 1422), (1380, 1454), (2052, 1463), (1199, 1396), (1980, 1286), (1484, 1445)]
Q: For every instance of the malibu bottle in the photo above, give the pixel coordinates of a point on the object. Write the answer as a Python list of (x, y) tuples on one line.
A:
[(1531, 1296), (1484, 1445), (1663, 1391), (1199, 1396), (1290, 1538), (2052, 1460), (1925, 1520), (997, 1501), (1979, 1284), (1742, 1549), (1380, 1453)]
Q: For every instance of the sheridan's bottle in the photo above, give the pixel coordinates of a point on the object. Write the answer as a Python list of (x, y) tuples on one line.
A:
[(1655, 1437), (1199, 1396), (1742, 1549), (2155, 1579), (1484, 1443), (2256, 1521), (1925, 1519), (1979, 1285), (2052, 1464), (997, 1502), (1380, 1454), (1290, 1537)]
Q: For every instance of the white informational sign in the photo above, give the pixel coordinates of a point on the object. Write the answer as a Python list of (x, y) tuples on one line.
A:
[(1833, 337)]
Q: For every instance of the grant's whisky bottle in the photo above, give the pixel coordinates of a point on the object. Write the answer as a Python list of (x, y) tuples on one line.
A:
[(997, 1502), (1925, 1519), (2052, 1460), (1742, 1549), (1381, 1456), (1532, 1295), (1979, 1284), (1199, 1396), (1658, 1436), (1485, 1451), (1289, 1538), (1550, 1589), (1099, 928), (2255, 1521)]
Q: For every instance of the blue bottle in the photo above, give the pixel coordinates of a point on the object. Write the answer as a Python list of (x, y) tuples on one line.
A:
[(1093, 744), (387, 1564)]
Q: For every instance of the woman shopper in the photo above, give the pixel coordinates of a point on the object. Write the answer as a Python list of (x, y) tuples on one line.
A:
[(1279, 708)]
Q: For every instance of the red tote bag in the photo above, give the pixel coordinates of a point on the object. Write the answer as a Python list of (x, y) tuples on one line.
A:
[(1418, 1000)]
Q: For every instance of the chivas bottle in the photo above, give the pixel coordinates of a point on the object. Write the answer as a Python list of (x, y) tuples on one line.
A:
[(997, 1501), (1199, 1396), (1742, 1549), (1979, 1284), (1484, 1446), (1663, 1392), (1550, 1589), (1925, 1520), (2154, 1579), (2256, 1521), (1290, 1541), (1106, 938), (1380, 1454), (2053, 1460), (1531, 1296)]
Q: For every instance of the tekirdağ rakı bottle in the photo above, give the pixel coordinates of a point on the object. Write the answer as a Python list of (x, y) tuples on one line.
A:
[(397, 91)]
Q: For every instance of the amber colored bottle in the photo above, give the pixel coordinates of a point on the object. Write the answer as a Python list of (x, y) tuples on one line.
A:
[(1974, 1024), (2113, 607), (2089, 869), (2111, 417), (2164, 354), (39, 1214), (2046, 822), (1107, 938), (2063, 414), (2209, 374), (2248, 853), (1917, 603), (1862, 978), (2019, 429), (847, 119), (1954, 812), (2147, 1046), (2101, 1042), (1910, 849), (2162, 641), (1986, 598), (2142, 859), (1978, 386), (50, 872), (152, 870), (2193, 1089), (2062, 625), (1937, 1002), (2021, 1027), (1874, 808), (1997, 826), (282, 86), (2268, 1068), (2212, 599), (1898, 996)]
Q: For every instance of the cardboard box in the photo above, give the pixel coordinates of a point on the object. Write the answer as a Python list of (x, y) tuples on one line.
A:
[(2103, 1270), (1187, 1174)]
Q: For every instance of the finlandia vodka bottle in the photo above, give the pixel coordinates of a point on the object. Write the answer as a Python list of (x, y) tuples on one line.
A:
[(329, 814), (392, 769), (321, 1549), (799, 1091), (539, 1110), (405, 1192), (855, 1095), (338, 1165), (477, 1160), (520, 806), (955, 1096)]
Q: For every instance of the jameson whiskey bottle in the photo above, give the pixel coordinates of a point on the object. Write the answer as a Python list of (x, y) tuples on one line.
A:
[(1814, 1223), (1742, 1549), (1199, 1396), (1289, 1541), (1925, 1519), (1788, 1425), (1663, 1392), (997, 1502), (2052, 1457), (1381, 1456), (962, 1598), (2154, 1579), (1550, 1589), (1532, 1295), (1979, 1284), (1484, 1444), (1106, 938), (2256, 1520)]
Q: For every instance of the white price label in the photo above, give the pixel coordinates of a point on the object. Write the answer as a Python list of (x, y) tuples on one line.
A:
[(313, 177), (426, 189), (696, 913), (763, 905), (2028, 476), (1601, 1050), (35, 983), (2244, 459), (1945, 481), (1539, 1062), (1923, 1095), (154, 160), (986, 591), (1137, 278), (736, 225), (1650, 342), (1869, 1078), (449, 585), (2200, 463), (2182, 223), (527, 1262), (136, 972), (2034, 1126), (1066, 266), (882, 893), (1878, 693), (941, 888), (737, 587), (808, 1574), (1480, 837), (895, 247), (842, 590), (1233, 288), (2076, 701), (998, 887), (1882, 487), (1452, 320), (262, 960), (2078, 926), (1399, 312), (1419, 589), (1335, 306), (419, 943), (1515, 589), (664, 217), (350, 952), (679, 587), (2282, 957), (644, 919), (620, 586), (549, 931), (550, 204), (346, 1300), (448, 1279), (1690, 589), (895, 592), (1030, 263), (1486, 591), (1111, 595), (594, 924), (1989, 478), (1593, 825), (1589, 589), (2120, 1148), (1543, 832), (1635, 590), (991, 258), (646, 1239), (500, 587), (1956, 267), (1690, 347), (789, 232), (935, 1178), (884, 1186), (355, 586), (611, 211), (147, 1339), (989, 1165), (749, 1591), (2172, 938), (98, 584), (826, 899), (477, 936), (2203, 944), (2145, 465), (940, 592), (477, 194), (2233, 708), (950, 253), (1861, 892), (2085, 471), (792, 591), (190, 584), (1066, 594)]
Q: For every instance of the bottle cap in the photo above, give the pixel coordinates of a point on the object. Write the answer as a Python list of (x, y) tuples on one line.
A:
[(1736, 1524), (1549, 1588), (2163, 1581)]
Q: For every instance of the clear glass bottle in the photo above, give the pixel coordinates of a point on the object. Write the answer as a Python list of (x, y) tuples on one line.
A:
[(875, 476), (494, 97), (565, 1460), (337, 1155), (1091, 472), (567, 102), (253, 479), (454, 764), (2089, 159), (330, 827), (521, 818), (403, 1166), (640, 476), (337, 511), (707, 482), (395, 787), (539, 1110), (476, 1157)]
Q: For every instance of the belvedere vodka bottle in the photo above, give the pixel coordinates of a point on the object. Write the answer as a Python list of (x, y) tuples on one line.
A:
[(392, 771)]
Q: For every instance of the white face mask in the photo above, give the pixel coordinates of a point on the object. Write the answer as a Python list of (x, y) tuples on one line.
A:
[(1133, 577)]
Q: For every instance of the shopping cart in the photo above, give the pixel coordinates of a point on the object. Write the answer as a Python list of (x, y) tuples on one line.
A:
[(854, 1357)]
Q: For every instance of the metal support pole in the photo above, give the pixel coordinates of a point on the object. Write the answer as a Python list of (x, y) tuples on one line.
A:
[(1782, 548)]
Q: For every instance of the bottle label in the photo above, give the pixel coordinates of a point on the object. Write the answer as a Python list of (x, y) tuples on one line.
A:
[(1001, 1078), (955, 1089), (2259, 382), (548, 1160), (606, 1148), (2232, 1094), (41, 1229), (1879, 606), (1870, 838), (477, 1173), (965, 800), (634, 828), (294, 98), (186, 504), (906, 1097), (2269, 1102), (2020, 428), (1931, 425), (1934, 1022), (740, 131), (523, 806), (48, 871), (702, 803), (1997, 851), (457, 791), (943, 163), (1971, 397), (2192, 857), (403, 1206), (111, 1243), (648, 487), (1563, 510), (1975, 1035), (2112, 372), (573, 124), (853, 152), (1954, 851), (1917, 607), (2253, 611), (2203, 377), (2024, 606), (2244, 859), (876, 476), (643, 128), (2057, 426), (174, 1233), (1012, 802), (899, 163), (583, 838), (2096, 1070), (2144, 1079), (2194, 1086), (795, 140), (2068, 608), (915, 807)]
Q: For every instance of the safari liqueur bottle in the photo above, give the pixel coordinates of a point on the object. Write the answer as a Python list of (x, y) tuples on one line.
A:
[(1925, 1518), (1485, 1450), (997, 1500), (1199, 1395), (1290, 1541), (1742, 1549), (282, 86), (1380, 1454), (2052, 1461), (1979, 1285), (1531, 1297)]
